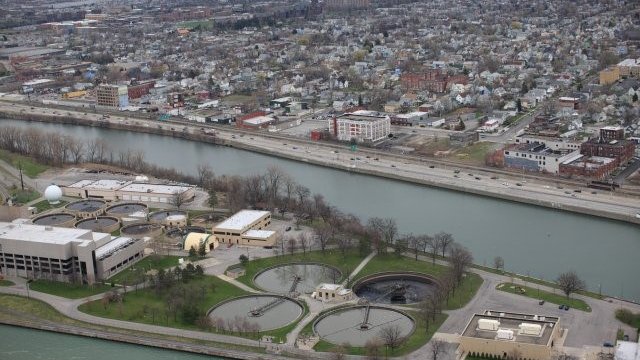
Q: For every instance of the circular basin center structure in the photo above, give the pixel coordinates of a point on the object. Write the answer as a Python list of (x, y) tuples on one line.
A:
[(163, 215), (261, 312), (57, 219), (126, 209), (395, 288), (100, 224), (303, 278), (86, 206), (359, 324), (139, 230)]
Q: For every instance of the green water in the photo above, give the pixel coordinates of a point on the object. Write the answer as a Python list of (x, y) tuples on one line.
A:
[(26, 344)]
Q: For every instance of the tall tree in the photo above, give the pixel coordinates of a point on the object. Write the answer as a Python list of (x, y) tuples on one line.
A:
[(569, 283)]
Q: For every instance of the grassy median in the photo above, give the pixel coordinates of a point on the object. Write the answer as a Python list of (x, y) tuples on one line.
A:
[(558, 299), (67, 290)]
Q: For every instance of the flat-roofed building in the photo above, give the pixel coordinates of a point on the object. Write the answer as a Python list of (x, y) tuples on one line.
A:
[(502, 333), (593, 167), (246, 227), (64, 254), (362, 126), (111, 190), (113, 96), (536, 157)]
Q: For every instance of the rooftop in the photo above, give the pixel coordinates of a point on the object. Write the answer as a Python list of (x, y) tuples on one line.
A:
[(113, 246), (259, 234), (46, 234), (512, 321), (155, 188), (242, 219)]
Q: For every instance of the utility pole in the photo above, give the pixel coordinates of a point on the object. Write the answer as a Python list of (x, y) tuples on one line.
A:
[(21, 179)]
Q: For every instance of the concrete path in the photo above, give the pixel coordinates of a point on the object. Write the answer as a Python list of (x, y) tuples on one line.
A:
[(237, 283), (362, 264)]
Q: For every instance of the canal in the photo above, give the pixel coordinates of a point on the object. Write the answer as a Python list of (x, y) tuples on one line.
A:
[(532, 240), (29, 344)]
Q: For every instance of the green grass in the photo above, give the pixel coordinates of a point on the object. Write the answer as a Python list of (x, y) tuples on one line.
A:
[(30, 167), (44, 205), (416, 340), (67, 290), (41, 310), (6, 283), (345, 264), (24, 196), (390, 262), (628, 317), (475, 153), (544, 295), (133, 274)]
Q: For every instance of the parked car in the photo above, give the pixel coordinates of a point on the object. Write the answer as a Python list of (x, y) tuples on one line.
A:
[(288, 228), (561, 306), (541, 302), (607, 344)]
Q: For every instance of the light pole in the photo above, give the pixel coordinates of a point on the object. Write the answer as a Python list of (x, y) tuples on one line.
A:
[(28, 282)]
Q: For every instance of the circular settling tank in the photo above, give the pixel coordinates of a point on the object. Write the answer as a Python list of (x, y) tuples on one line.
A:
[(267, 312), (161, 216), (354, 326), (56, 219), (139, 230), (124, 209), (395, 288), (99, 224), (208, 219), (86, 206), (280, 279)]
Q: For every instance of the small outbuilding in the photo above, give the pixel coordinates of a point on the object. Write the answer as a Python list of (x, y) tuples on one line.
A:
[(196, 239)]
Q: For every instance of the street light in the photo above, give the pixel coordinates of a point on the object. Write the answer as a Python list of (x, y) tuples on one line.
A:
[(28, 282)]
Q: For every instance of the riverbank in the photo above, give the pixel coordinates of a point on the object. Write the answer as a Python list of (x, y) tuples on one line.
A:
[(611, 207)]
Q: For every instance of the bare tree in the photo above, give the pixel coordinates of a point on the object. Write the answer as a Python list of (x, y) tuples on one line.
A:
[(569, 283), (498, 263), (461, 258), (339, 353), (434, 245), (205, 174), (391, 336), (178, 199), (549, 108), (303, 240), (389, 230), (445, 240), (437, 348), (323, 234), (291, 245), (373, 349)]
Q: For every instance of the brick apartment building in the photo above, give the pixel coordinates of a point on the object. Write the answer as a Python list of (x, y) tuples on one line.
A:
[(433, 80), (139, 89), (622, 150)]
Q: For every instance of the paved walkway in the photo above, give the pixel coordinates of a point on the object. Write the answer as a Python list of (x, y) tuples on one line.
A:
[(237, 283), (362, 264)]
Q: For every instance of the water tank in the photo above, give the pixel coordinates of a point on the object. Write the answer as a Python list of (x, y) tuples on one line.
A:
[(53, 194), (488, 324)]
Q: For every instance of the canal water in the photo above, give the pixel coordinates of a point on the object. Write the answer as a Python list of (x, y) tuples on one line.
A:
[(27, 344), (532, 240)]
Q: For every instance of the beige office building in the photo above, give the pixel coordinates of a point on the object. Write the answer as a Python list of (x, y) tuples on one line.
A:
[(64, 254), (246, 227), (112, 190)]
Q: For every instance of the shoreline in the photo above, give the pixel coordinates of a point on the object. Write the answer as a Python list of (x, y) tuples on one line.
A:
[(557, 204)]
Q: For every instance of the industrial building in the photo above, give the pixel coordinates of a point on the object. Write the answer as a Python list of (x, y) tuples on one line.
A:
[(64, 254), (499, 334), (246, 227), (112, 190), (361, 126), (332, 293), (537, 157), (113, 96)]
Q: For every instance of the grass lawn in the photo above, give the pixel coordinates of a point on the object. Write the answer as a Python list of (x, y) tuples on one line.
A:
[(475, 153), (29, 166), (390, 262), (6, 283), (345, 264), (628, 317), (417, 339), (544, 295), (44, 205), (42, 310), (24, 196), (68, 290), (133, 274)]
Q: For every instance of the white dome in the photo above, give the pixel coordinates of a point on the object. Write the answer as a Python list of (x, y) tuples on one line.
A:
[(53, 194)]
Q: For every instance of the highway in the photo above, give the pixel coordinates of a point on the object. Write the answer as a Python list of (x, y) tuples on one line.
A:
[(475, 180)]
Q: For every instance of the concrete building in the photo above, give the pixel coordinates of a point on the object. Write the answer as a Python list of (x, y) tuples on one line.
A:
[(552, 142), (246, 227), (64, 254), (627, 350), (502, 333), (609, 75), (111, 190), (113, 96), (537, 157), (362, 125), (629, 67), (332, 293)]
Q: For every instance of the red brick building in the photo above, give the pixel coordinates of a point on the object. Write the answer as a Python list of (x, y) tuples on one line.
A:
[(589, 167), (622, 150), (609, 133), (140, 89), (432, 80)]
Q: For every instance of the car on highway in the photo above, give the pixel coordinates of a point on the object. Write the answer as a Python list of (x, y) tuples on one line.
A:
[(376, 159), (393, 166), (494, 178), (477, 178), (431, 166), (518, 184), (456, 171)]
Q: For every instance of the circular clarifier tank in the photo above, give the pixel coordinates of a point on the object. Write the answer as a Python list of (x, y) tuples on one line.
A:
[(353, 325), (280, 279), (100, 224), (86, 206), (395, 287), (125, 209), (139, 230), (261, 312), (163, 215), (56, 219)]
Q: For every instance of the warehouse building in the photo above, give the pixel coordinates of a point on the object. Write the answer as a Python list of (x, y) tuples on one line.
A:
[(112, 190), (501, 334), (362, 126), (64, 254), (246, 227)]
